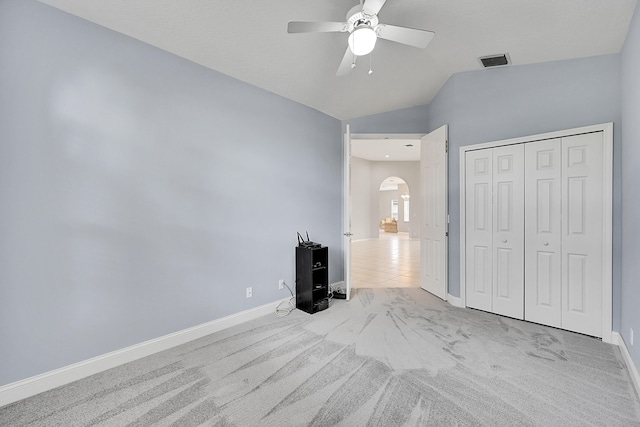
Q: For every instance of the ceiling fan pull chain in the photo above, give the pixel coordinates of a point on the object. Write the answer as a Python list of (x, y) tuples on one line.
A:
[(370, 63), (353, 64)]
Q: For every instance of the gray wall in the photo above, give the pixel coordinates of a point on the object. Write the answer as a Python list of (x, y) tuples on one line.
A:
[(630, 289), (408, 120), (509, 102), (142, 193)]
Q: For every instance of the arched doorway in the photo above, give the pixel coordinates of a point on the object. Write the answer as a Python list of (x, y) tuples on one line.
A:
[(394, 206), (393, 259)]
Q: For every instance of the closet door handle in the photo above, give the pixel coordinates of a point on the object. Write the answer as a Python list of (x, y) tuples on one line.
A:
[(546, 243), (504, 241)]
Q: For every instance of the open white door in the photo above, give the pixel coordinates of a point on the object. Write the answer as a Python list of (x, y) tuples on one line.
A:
[(434, 227), (346, 216)]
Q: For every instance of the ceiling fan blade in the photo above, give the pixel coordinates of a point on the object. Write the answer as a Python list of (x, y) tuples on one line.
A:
[(404, 35), (345, 65), (316, 27), (372, 7)]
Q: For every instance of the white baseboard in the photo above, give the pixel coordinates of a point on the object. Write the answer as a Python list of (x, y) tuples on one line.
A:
[(455, 301), (616, 338), (49, 380)]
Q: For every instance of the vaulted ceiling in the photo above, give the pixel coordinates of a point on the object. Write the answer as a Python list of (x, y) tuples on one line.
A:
[(248, 40)]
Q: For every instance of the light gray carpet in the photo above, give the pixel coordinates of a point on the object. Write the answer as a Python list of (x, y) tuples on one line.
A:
[(389, 357)]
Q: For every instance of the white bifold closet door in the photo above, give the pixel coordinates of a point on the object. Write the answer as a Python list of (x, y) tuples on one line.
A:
[(543, 242), (495, 227), (564, 233), (582, 233), (508, 231), (535, 236), (479, 228)]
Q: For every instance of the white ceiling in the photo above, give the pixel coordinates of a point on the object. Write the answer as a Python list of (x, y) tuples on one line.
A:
[(387, 148), (248, 40)]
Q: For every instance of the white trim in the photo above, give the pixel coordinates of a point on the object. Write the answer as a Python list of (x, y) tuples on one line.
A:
[(346, 211), (463, 238), (616, 338), (606, 127), (387, 135), (607, 233), (607, 269), (49, 380), (455, 301)]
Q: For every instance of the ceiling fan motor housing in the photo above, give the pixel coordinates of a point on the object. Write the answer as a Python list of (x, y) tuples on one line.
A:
[(362, 29), (356, 17)]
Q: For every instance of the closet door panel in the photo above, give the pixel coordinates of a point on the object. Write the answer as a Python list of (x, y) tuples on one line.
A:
[(582, 225), (479, 229), (508, 236), (543, 237)]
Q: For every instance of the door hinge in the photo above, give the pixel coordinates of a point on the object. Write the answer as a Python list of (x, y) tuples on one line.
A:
[(446, 146), (446, 234)]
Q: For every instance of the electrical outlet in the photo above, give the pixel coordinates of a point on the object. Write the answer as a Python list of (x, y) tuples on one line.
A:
[(631, 335), (249, 292), (281, 284)]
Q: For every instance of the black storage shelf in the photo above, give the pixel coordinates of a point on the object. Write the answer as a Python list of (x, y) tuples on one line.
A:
[(312, 278)]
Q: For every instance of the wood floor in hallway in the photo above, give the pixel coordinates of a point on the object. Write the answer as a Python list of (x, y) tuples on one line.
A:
[(392, 261)]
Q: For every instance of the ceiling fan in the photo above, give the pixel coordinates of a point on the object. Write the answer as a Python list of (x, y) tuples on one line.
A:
[(364, 29)]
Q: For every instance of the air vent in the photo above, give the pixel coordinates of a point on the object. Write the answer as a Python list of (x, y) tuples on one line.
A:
[(495, 60)]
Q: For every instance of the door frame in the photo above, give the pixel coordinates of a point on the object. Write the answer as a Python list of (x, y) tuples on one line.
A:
[(346, 212), (347, 138), (607, 211)]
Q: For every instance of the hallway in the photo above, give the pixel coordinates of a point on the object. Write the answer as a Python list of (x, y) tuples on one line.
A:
[(392, 261)]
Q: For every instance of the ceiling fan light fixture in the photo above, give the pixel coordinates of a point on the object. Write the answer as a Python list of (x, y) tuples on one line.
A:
[(362, 40)]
